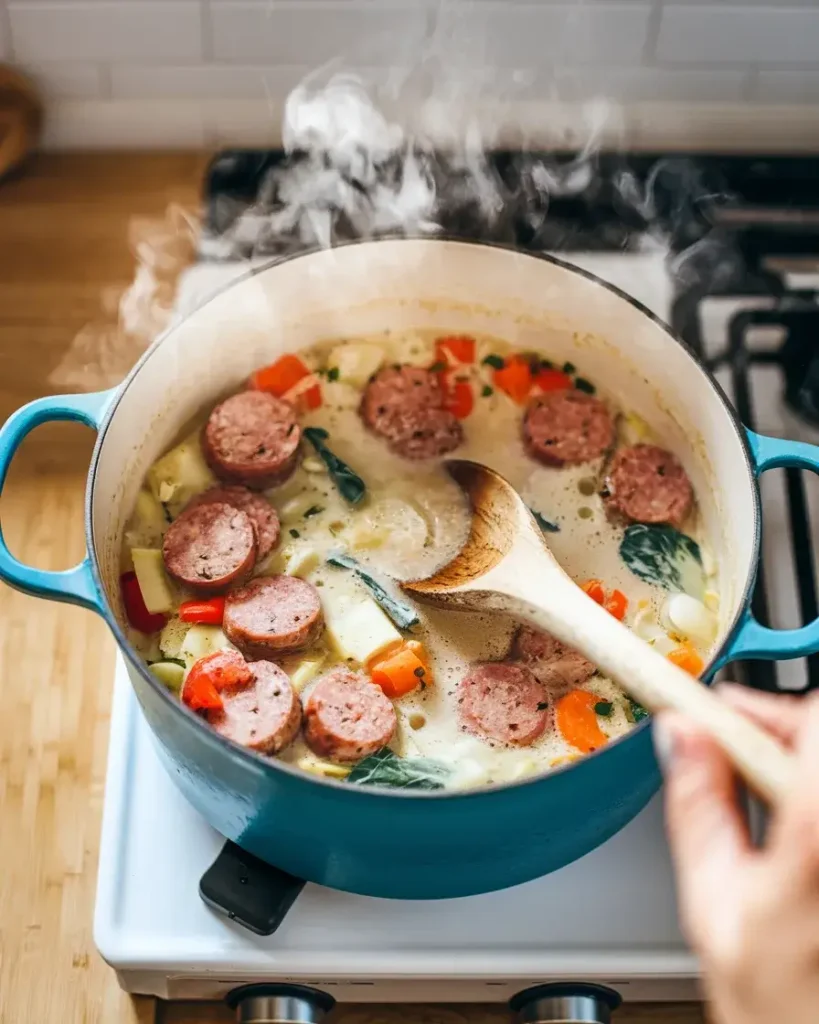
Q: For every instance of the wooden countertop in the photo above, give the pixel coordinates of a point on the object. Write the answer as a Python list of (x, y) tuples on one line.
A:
[(64, 227)]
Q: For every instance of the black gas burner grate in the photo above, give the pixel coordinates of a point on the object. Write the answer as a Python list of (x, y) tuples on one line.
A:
[(796, 359)]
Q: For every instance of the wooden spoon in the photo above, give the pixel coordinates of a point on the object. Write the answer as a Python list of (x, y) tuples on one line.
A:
[(506, 566)]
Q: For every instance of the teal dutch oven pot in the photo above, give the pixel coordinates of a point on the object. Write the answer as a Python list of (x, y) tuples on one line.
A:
[(380, 842)]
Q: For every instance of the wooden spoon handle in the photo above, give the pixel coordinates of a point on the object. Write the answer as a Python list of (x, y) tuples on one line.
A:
[(654, 681)]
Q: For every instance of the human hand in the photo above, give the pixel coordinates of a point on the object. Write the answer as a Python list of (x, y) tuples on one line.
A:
[(752, 916)]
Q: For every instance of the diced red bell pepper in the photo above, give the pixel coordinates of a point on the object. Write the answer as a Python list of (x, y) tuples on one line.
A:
[(595, 590), (222, 670), (205, 613), (552, 380), (614, 601), (135, 610), (282, 376), (616, 604), (515, 379), (455, 348), (459, 397)]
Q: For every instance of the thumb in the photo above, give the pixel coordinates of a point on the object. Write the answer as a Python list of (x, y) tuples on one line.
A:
[(706, 829)]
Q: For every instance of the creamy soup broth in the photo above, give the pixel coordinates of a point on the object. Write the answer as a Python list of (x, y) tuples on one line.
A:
[(412, 519)]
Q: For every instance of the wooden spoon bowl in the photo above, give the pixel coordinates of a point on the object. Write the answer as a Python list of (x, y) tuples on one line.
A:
[(506, 566)]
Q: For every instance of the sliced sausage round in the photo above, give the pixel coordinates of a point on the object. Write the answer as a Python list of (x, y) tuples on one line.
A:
[(567, 428), (209, 547), (504, 702), (647, 484), (261, 513), (558, 667), (265, 715), (252, 438), (396, 389), (273, 615), (404, 405), (428, 434), (347, 717)]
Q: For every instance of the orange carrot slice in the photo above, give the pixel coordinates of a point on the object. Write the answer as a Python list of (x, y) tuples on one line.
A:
[(687, 659), (577, 721), (399, 673)]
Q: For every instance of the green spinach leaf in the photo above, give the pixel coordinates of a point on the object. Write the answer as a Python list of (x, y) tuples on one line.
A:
[(350, 485), (664, 556), (545, 524), (402, 614), (603, 708), (386, 768)]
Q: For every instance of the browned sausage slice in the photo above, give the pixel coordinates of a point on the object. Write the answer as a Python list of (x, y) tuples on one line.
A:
[(428, 434), (396, 389), (347, 717), (260, 512), (404, 405), (265, 715), (209, 547), (567, 428), (273, 615), (504, 702), (647, 484), (253, 439), (558, 667)]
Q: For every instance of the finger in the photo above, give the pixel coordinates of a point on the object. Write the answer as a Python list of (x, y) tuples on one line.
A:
[(779, 715), (707, 831)]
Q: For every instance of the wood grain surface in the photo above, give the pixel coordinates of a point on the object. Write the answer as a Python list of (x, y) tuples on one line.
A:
[(64, 228)]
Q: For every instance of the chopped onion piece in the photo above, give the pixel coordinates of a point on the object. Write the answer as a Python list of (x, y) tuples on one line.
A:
[(690, 618)]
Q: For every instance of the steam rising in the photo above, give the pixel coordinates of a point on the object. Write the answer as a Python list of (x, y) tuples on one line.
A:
[(357, 170)]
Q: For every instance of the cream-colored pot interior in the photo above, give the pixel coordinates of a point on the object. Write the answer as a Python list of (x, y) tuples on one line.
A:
[(533, 303)]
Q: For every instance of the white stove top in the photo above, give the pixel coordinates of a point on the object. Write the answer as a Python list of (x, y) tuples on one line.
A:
[(609, 917)]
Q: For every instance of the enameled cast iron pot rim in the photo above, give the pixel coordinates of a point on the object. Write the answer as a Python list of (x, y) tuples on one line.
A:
[(274, 764)]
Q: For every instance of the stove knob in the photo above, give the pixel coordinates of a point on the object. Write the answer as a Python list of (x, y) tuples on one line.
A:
[(279, 1004), (565, 1003)]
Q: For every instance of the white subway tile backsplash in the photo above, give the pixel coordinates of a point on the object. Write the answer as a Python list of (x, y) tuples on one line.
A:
[(150, 30), (717, 32), (657, 85), (315, 31), (66, 81), (211, 81), (531, 35), (782, 86), (231, 63), (87, 124), (482, 34)]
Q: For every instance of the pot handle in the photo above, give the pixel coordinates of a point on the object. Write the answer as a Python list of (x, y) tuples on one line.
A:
[(752, 639), (76, 585)]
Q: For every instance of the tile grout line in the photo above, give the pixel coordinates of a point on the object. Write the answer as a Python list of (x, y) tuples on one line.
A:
[(207, 31), (5, 31), (655, 17)]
